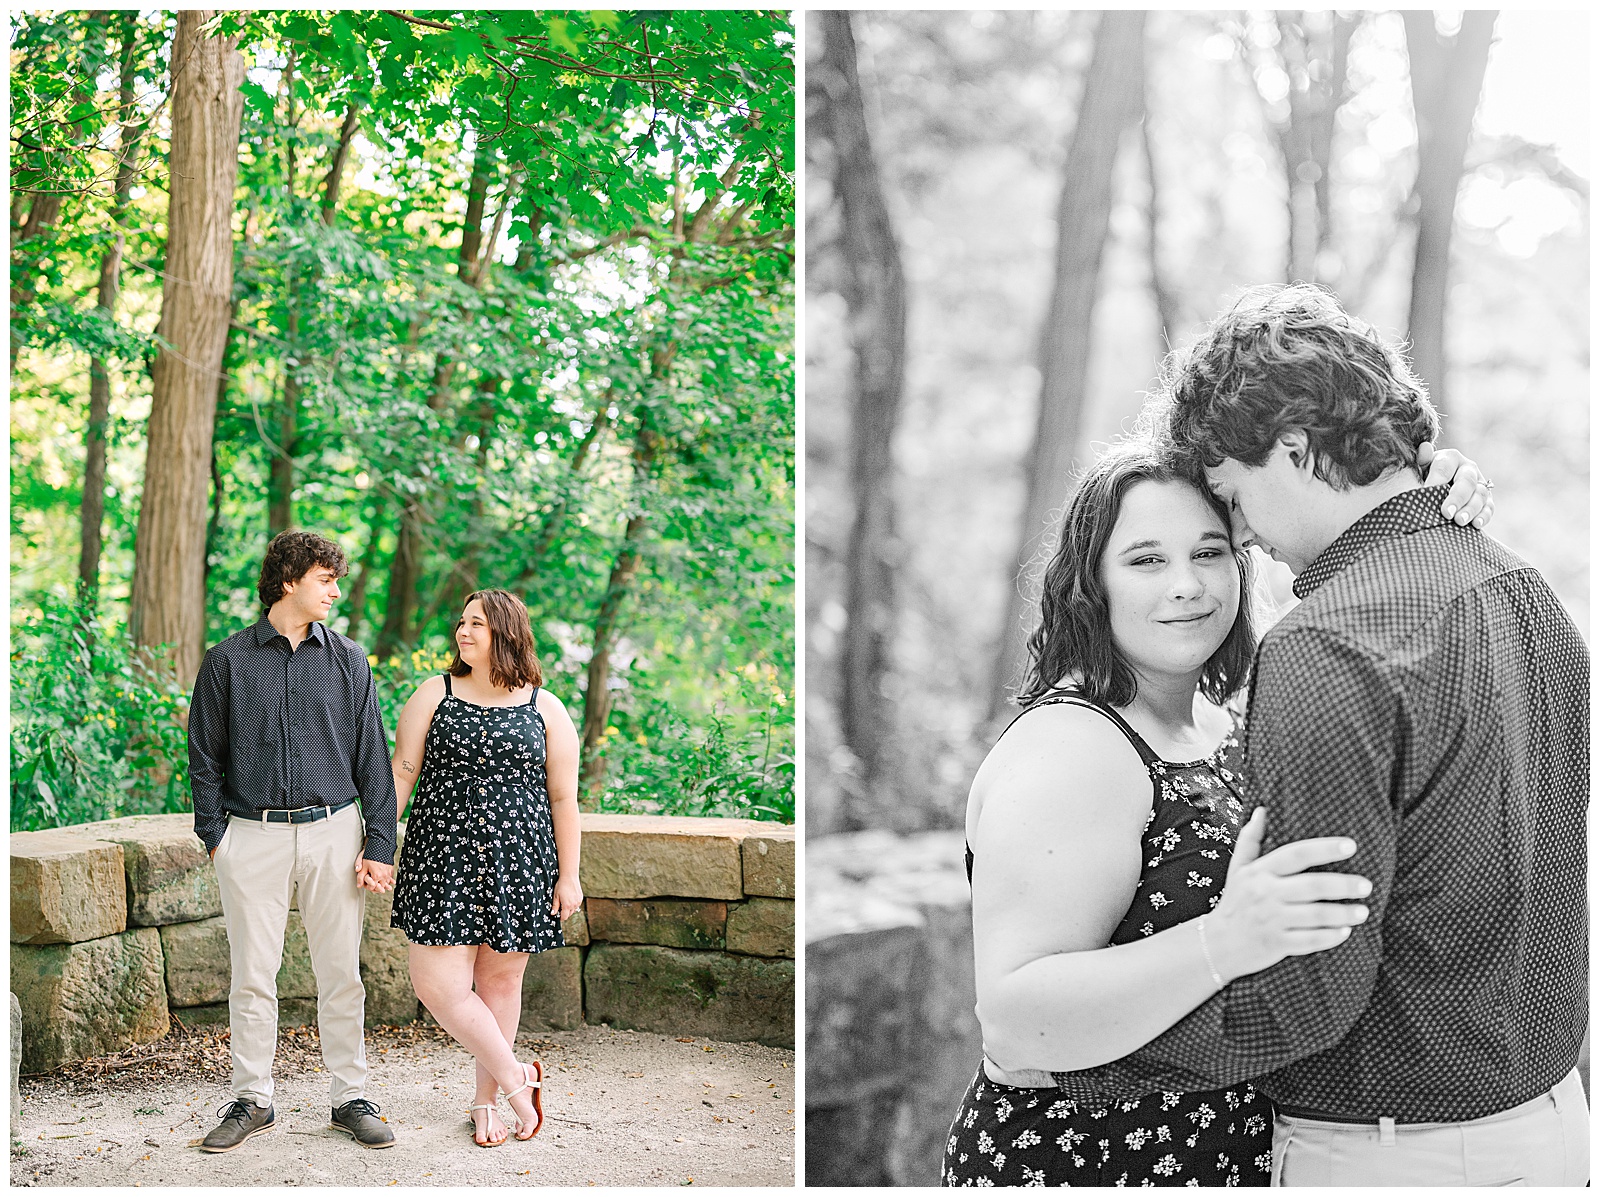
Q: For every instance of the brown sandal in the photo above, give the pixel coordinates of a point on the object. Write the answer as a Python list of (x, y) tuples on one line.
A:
[(536, 1084), (473, 1122)]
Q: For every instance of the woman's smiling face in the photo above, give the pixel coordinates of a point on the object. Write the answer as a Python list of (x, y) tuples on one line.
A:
[(1171, 581)]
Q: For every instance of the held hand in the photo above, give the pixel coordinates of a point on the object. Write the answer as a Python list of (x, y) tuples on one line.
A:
[(370, 874), (1471, 497), (1272, 907), (568, 898)]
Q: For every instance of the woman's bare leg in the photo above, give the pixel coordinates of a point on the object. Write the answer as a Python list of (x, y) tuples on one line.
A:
[(443, 980), (497, 979)]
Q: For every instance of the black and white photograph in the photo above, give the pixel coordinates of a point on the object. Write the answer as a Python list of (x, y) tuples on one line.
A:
[(1196, 598)]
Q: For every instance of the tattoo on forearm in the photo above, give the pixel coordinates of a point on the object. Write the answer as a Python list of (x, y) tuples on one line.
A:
[(408, 766)]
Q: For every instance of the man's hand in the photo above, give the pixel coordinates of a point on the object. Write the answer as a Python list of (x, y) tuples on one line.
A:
[(379, 878)]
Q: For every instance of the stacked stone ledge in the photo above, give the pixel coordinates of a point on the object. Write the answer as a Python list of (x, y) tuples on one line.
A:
[(688, 928)]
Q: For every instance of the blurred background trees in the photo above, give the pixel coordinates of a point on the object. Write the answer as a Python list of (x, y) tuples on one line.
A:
[(493, 299), (1061, 224)]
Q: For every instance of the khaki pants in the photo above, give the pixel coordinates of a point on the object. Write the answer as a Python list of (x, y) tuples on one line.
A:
[(1541, 1142), (258, 866)]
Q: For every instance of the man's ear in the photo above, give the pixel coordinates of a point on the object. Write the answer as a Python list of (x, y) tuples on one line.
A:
[(1298, 446)]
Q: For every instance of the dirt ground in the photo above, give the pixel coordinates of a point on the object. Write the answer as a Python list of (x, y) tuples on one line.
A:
[(621, 1108)]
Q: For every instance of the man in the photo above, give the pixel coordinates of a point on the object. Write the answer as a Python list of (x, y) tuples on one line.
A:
[(1427, 698), (284, 739)]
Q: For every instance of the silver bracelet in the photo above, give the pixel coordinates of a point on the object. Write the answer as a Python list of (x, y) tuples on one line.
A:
[(1206, 952)]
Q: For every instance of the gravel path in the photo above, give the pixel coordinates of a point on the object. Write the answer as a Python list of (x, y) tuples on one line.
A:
[(621, 1108)]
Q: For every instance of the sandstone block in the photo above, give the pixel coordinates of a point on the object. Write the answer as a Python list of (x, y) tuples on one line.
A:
[(761, 927), (670, 922), (295, 976), (198, 969), (292, 1012), (65, 888), (385, 966), (861, 1012), (651, 856), (87, 999), (215, 1014), (552, 990), (677, 992), (169, 875), (768, 861), (576, 929)]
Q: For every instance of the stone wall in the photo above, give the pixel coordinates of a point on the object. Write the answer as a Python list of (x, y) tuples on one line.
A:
[(687, 928), (891, 1038)]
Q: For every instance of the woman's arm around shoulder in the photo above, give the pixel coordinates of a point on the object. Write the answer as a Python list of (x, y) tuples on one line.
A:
[(561, 780), (411, 737)]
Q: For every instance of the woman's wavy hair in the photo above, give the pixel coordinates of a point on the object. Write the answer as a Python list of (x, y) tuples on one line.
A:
[(1073, 639), (512, 662), (1286, 357), (290, 557)]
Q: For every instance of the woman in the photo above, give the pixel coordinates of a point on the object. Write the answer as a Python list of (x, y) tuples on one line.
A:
[(489, 868), (1111, 812)]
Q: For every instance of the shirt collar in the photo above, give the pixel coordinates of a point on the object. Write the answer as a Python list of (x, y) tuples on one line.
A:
[(1408, 512), (265, 632)]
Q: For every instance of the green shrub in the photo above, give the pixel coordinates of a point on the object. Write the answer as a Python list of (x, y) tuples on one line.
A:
[(96, 731)]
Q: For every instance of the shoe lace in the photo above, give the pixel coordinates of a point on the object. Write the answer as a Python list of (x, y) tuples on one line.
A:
[(360, 1106), (237, 1108)]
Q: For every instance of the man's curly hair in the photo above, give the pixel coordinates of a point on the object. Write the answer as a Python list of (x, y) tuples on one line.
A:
[(291, 556), (1287, 357)]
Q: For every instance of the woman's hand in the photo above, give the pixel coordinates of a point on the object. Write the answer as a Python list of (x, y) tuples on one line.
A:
[(1272, 907), (568, 898), (1471, 497)]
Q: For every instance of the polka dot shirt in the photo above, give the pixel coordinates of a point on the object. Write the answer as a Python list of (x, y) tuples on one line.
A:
[(1430, 699), (272, 728)]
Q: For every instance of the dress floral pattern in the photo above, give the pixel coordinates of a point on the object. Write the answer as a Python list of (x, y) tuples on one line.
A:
[(1006, 1135), (479, 861)]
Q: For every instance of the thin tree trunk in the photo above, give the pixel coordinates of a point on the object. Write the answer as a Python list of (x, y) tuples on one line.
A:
[(91, 518), (168, 601), (405, 568), (1317, 54), (1446, 80), (1161, 292), (341, 155), (597, 690), (875, 292), (356, 601), (1113, 96), (280, 470), (551, 524)]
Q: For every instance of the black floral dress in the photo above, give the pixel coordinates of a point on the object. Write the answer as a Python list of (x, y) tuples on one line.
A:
[(479, 861), (1008, 1135)]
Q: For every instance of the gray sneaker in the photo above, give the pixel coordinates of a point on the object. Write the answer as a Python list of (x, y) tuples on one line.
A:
[(360, 1120), (240, 1120)]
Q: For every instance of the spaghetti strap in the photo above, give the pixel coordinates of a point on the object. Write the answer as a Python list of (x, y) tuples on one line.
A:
[(447, 689), (1078, 699), (534, 696)]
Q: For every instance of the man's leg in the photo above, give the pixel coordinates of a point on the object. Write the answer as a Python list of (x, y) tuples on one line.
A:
[(497, 980), (332, 906), (254, 872)]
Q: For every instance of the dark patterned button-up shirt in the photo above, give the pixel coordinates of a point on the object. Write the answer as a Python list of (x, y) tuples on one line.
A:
[(275, 729), (1430, 699)]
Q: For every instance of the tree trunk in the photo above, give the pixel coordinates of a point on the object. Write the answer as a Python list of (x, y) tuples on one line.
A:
[(1316, 58), (92, 513), (1446, 79), (1113, 96), (405, 568), (280, 470), (875, 292), (597, 692), (168, 603), (341, 155), (369, 560), (1166, 300)]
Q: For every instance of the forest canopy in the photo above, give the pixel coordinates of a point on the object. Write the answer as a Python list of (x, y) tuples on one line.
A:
[(492, 299)]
